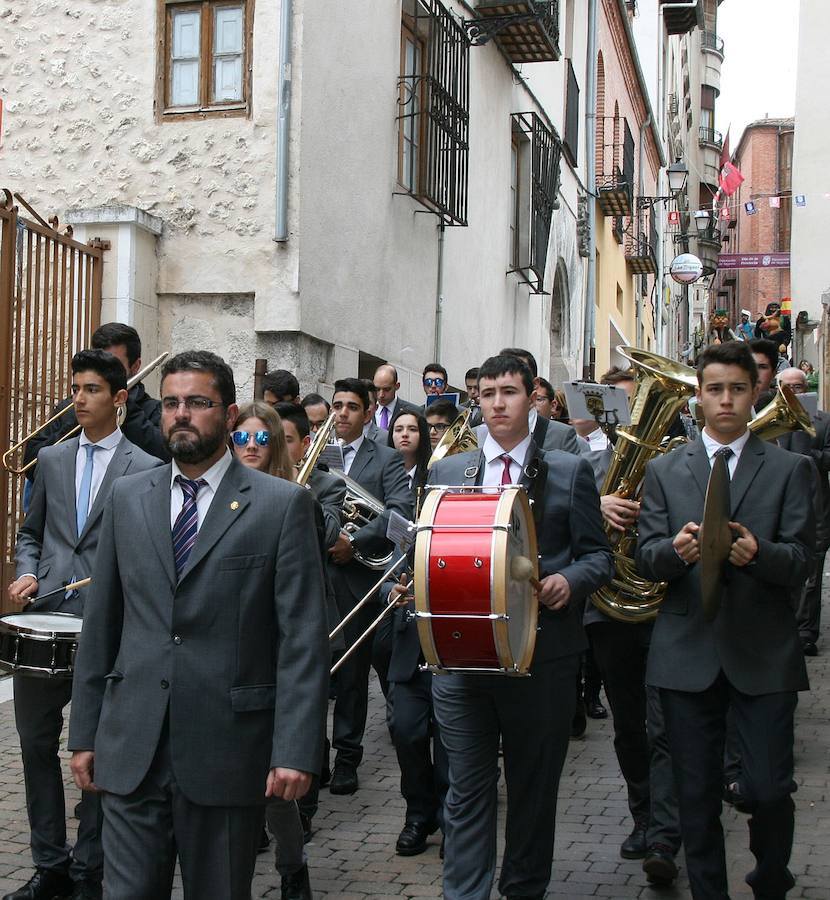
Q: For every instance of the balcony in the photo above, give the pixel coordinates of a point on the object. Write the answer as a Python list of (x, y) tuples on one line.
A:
[(527, 31), (641, 243), (708, 137), (711, 43), (708, 249), (615, 166), (682, 21)]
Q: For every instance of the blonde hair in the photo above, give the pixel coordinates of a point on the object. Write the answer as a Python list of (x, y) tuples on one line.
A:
[(281, 464)]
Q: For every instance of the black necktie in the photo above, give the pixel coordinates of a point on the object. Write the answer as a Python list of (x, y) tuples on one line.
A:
[(722, 457)]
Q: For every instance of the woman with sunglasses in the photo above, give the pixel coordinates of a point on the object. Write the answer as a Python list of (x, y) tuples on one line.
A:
[(258, 440), (409, 435)]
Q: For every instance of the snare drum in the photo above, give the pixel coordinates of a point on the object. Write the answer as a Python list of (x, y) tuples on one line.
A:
[(42, 645), (472, 615)]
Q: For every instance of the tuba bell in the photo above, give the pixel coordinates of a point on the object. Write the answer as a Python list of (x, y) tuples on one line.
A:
[(662, 388), (784, 414), (458, 438)]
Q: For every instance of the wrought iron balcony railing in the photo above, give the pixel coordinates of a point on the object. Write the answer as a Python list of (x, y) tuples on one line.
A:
[(710, 136), (710, 41), (615, 166), (641, 243)]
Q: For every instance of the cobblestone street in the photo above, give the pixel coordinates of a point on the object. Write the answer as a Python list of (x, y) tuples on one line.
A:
[(352, 852)]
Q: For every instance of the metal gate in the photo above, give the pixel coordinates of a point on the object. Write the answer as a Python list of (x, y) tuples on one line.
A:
[(50, 303)]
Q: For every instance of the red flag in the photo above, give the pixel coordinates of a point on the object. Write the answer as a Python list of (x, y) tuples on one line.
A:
[(725, 156), (730, 178)]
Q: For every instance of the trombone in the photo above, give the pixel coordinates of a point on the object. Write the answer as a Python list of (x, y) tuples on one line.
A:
[(10, 453)]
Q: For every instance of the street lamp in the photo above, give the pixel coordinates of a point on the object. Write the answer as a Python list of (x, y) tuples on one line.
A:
[(677, 174), (702, 221)]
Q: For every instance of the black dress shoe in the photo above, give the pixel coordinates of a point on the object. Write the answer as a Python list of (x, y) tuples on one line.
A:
[(413, 839), (635, 846), (659, 866), (596, 710), (87, 890), (45, 884), (296, 886), (809, 648), (343, 779)]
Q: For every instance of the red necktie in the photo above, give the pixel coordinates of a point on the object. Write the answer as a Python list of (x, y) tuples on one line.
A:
[(505, 475)]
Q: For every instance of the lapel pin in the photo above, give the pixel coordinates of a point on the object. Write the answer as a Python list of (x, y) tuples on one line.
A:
[(235, 504)]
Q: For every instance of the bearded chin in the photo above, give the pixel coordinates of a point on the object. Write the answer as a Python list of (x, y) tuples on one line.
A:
[(187, 447)]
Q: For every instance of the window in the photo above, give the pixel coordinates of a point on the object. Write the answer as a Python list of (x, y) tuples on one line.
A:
[(515, 204), (707, 107), (433, 110), (571, 142), (205, 63)]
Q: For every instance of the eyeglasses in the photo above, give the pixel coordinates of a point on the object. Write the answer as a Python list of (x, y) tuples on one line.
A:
[(439, 427), (435, 382), (172, 404), (241, 438)]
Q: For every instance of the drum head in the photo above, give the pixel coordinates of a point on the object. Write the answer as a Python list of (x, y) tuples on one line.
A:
[(515, 638), (45, 624)]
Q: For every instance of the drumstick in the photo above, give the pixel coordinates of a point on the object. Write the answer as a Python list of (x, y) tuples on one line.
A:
[(521, 569), (73, 586)]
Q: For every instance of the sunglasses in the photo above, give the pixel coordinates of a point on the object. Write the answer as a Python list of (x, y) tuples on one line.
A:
[(434, 382), (241, 438)]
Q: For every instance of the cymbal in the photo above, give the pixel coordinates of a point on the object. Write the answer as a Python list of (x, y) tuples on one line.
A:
[(715, 539)]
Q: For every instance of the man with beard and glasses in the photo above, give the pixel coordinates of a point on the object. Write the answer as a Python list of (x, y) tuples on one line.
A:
[(202, 675)]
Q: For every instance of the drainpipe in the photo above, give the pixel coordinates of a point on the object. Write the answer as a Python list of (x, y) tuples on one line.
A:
[(439, 295), (589, 339), (638, 301), (283, 122)]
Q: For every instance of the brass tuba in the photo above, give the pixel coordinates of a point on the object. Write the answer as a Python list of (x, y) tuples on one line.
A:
[(663, 387), (782, 415), (458, 438)]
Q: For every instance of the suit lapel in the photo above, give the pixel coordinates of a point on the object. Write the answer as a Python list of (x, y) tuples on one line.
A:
[(474, 473), (68, 478), (698, 463), (540, 429), (365, 452), (226, 507), (155, 502), (119, 464), (751, 460)]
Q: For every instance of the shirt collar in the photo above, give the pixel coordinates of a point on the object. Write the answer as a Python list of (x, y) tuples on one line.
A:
[(110, 442), (214, 474), (597, 439), (355, 444), (492, 450), (712, 446), (532, 416)]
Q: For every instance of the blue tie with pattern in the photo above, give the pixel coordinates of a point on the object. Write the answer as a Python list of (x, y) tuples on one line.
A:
[(82, 506), (186, 527)]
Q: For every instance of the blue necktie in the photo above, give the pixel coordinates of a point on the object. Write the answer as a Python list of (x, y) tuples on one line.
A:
[(186, 527), (82, 506)]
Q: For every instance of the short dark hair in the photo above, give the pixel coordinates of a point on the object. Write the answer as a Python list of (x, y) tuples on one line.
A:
[(370, 387), (471, 373), (117, 334), (507, 364), (204, 361), (730, 353), (281, 383), (765, 348), (616, 374), (290, 412), (106, 365), (315, 400), (524, 355), (435, 367), (544, 383), (445, 408), (353, 386)]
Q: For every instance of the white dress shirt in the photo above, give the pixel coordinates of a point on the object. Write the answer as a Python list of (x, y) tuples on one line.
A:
[(411, 473), (204, 498), (494, 467), (597, 439), (712, 447), (348, 458), (100, 461)]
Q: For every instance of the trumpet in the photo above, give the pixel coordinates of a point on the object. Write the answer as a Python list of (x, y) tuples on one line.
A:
[(315, 448), (8, 456)]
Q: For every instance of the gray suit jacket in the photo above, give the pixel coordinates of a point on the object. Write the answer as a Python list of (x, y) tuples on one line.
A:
[(571, 538), (330, 492), (48, 544), (236, 651), (378, 469), (818, 449), (754, 638), (402, 405), (547, 434)]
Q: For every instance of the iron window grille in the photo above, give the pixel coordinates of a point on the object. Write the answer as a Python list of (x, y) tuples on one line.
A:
[(615, 165), (433, 111), (543, 151)]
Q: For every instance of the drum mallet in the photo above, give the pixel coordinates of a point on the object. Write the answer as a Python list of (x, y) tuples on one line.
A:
[(72, 586), (521, 569)]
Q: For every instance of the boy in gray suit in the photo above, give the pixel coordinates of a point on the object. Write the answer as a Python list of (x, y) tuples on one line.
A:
[(56, 545)]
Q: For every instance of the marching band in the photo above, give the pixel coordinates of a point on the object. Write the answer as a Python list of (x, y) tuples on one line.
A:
[(190, 570)]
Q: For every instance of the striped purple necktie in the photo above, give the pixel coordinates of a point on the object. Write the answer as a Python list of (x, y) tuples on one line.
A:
[(186, 527)]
